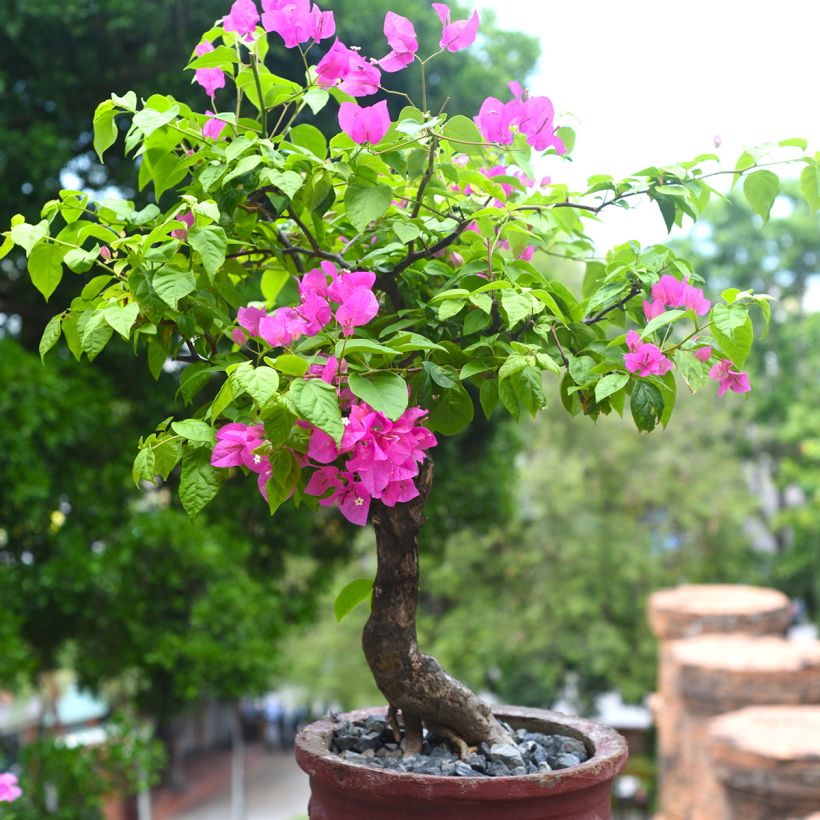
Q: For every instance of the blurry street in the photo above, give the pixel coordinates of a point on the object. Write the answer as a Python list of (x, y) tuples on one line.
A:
[(277, 790)]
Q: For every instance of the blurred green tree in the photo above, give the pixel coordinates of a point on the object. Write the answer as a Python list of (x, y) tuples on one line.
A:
[(783, 441)]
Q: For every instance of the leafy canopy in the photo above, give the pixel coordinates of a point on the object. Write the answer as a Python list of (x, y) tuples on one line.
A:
[(337, 302)]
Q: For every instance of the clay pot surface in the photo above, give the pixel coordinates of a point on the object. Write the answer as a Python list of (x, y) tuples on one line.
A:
[(347, 791)]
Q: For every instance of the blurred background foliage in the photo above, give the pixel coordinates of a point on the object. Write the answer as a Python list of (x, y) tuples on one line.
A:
[(522, 591)]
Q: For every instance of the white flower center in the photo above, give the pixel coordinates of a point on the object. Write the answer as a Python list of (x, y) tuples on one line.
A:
[(358, 502)]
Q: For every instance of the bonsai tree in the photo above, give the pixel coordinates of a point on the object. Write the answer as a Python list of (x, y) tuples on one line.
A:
[(333, 307)]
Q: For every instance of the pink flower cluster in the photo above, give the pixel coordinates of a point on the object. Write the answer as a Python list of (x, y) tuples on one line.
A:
[(532, 116), (354, 73), (729, 379), (350, 291), (295, 21), (235, 445), (670, 292), (383, 459), (383, 456), (643, 358), (9, 790), (188, 220), (213, 126)]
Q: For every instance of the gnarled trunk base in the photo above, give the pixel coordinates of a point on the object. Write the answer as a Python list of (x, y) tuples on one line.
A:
[(413, 682)]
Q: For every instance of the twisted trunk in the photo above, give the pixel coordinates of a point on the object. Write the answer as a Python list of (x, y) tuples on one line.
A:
[(413, 682)]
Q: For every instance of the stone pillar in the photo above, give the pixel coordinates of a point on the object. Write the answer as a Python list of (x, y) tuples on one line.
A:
[(688, 611), (718, 674), (767, 759)]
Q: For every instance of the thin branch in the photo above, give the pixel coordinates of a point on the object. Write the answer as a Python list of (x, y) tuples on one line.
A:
[(633, 291), (316, 250), (564, 358)]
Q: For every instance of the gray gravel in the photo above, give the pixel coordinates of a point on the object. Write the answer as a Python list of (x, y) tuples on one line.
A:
[(371, 743)]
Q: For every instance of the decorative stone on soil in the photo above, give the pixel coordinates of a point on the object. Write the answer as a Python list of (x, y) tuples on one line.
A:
[(371, 743)]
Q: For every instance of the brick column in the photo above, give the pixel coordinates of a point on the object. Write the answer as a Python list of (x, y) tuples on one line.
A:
[(767, 759), (718, 674), (684, 612)]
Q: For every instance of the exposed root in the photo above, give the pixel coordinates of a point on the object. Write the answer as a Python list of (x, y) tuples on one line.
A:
[(455, 741), (393, 722)]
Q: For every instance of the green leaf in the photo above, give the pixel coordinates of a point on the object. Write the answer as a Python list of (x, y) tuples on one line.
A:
[(309, 137), (384, 391), (610, 384), (194, 430), (105, 128), (316, 401), (199, 482), (50, 335), (733, 331), (810, 185), (761, 189), (260, 383), (244, 166), (316, 99), (516, 306), (27, 236), (288, 182), (647, 406), (291, 365), (365, 202), (278, 421), (667, 318), (488, 396), (143, 468), (351, 596), (211, 244), (450, 308), (167, 453), (5, 248), (222, 399), (149, 120), (693, 370), (94, 332), (122, 317), (193, 379), (220, 57), (45, 266), (172, 285), (462, 132), (451, 411), (406, 231)]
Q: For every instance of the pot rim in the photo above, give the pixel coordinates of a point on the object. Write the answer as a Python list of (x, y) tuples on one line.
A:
[(609, 755)]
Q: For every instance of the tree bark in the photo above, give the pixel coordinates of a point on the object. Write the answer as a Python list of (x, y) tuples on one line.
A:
[(413, 682)]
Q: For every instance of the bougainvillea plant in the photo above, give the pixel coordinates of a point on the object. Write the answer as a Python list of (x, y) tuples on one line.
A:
[(333, 306)]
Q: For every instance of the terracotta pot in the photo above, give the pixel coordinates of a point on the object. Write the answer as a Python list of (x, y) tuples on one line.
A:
[(345, 791)]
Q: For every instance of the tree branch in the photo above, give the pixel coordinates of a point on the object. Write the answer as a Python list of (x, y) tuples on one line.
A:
[(633, 291)]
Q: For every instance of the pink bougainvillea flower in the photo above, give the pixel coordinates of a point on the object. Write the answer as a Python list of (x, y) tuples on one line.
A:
[(265, 472), (457, 35), (213, 126), (670, 292), (399, 491), (9, 790), (358, 308), (643, 358), (456, 259), (282, 327), (528, 253), (334, 66), (239, 336), (536, 121), (653, 309), (105, 252), (249, 318), (343, 284), (315, 282), (703, 354), (297, 21), (349, 495), (316, 312), (728, 379), (364, 123), (495, 118), (362, 78), (235, 444), (401, 37), (182, 233), (209, 78), (328, 369), (242, 18)]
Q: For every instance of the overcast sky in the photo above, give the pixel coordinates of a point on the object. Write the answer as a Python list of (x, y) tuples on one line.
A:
[(654, 82)]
